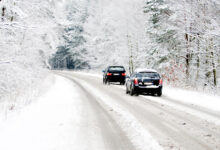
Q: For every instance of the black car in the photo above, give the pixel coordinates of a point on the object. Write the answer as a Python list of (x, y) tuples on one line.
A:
[(114, 74), (144, 81)]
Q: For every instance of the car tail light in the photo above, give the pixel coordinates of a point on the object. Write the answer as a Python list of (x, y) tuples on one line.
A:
[(161, 82), (135, 81), (123, 74), (109, 74)]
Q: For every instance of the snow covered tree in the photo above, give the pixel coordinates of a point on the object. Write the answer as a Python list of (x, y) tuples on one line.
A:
[(29, 32), (181, 33), (71, 53)]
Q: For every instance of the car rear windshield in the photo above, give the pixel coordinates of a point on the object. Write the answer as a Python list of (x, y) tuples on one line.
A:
[(116, 68), (148, 75)]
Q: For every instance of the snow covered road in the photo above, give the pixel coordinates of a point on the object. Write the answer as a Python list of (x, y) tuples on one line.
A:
[(172, 123), (80, 113)]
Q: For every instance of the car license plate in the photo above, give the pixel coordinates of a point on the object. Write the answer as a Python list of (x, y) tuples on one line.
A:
[(116, 74), (147, 83)]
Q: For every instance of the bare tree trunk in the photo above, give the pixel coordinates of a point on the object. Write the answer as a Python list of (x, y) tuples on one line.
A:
[(3, 11), (215, 75), (207, 74), (187, 55), (187, 47), (213, 64), (198, 58), (131, 64), (130, 47)]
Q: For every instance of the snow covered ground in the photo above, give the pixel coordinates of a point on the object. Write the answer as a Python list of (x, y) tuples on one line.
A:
[(47, 124), (64, 118), (176, 122), (57, 119), (192, 97), (181, 100)]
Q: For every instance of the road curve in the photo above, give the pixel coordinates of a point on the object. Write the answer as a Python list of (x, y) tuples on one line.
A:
[(98, 121), (172, 128)]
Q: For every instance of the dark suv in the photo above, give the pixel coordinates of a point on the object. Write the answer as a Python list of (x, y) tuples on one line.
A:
[(144, 81), (114, 74)]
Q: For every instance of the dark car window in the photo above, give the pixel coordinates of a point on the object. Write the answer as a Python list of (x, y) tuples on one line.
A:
[(116, 68), (148, 75)]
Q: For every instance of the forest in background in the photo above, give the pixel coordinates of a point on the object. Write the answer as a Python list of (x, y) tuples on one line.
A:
[(181, 39)]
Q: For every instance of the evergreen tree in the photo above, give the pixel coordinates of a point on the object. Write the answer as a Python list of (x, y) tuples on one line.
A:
[(71, 54)]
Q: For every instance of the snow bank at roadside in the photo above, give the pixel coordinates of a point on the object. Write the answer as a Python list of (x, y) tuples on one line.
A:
[(46, 124), (190, 110), (25, 96), (192, 97)]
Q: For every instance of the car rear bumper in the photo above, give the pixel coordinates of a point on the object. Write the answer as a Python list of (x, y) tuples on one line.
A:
[(116, 79), (148, 89)]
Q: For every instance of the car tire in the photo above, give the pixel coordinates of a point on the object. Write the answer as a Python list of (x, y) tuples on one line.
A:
[(103, 81), (122, 83), (132, 91), (159, 93), (136, 94), (127, 90)]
